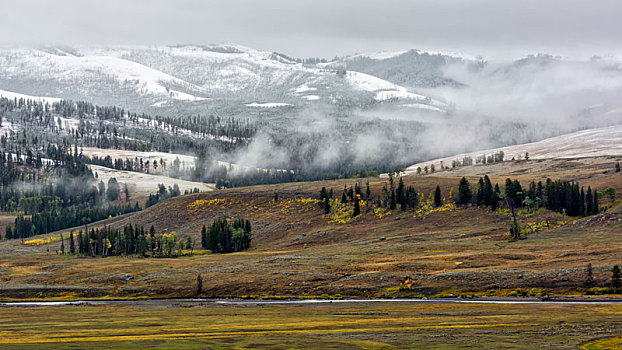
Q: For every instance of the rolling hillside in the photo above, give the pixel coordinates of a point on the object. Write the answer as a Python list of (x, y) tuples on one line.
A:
[(298, 250), (581, 144), (144, 77)]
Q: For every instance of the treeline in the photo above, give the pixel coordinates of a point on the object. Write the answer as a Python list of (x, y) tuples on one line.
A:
[(113, 127), (226, 237), (54, 220), (57, 195), (392, 196), (131, 240), (564, 197), (163, 194), (42, 127)]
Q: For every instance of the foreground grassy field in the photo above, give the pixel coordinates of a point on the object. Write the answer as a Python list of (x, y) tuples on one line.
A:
[(298, 251), (329, 326)]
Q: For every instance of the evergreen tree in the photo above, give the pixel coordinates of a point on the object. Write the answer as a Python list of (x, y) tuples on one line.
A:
[(496, 198), (367, 191), (464, 192), (80, 243), (480, 192), (72, 245), (615, 277), (392, 204), (323, 194), (488, 191), (199, 289), (514, 229), (204, 243), (113, 191), (399, 194), (357, 207), (596, 207), (326, 205), (412, 198), (589, 279), (589, 202), (62, 244), (508, 189), (438, 199)]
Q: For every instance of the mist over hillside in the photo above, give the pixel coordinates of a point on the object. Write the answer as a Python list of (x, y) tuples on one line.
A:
[(360, 111)]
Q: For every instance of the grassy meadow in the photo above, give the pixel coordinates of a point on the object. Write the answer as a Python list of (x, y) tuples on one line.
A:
[(386, 325)]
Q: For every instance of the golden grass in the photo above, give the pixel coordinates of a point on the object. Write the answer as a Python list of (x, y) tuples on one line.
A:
[(364, 326)]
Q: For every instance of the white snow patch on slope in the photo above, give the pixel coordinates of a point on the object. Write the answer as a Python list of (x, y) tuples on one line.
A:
[(16, 95), (267, 105), (304, 88), (380, 55), (144, 184), (44, 65), (385, 55), (366, 82), (398, 94), (385, 90), (182, 96), (422, 106), (311, 97), (585, 143)]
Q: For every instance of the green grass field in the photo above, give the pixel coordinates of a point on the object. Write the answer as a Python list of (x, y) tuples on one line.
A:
[(387, 325)]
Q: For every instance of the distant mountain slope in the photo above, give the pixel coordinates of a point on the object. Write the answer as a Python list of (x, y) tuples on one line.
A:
[(155, 76), (15, 95), (412, 85), (412, 68), (585, 143)]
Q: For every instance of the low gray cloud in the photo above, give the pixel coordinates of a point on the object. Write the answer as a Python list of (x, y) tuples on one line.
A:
[(322, 27)]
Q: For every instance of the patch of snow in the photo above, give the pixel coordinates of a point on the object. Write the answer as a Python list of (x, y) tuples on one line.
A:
[(182, 96), (398, 94), (380, 55), (142, 78), (422, 106), (386, 90), (267, 105), (311, 97), (69, 123), (144, 184), (304, 88), (366, 82), (585, 143), (16, 95)]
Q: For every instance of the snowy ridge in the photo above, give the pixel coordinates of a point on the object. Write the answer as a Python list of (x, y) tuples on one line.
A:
[(267, 105), (385, 55), (44, 65), (160, 76), (15, 95), (386, 91), (585, 143)]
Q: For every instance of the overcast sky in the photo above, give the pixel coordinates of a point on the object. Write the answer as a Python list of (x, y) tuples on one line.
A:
[(325, 28)]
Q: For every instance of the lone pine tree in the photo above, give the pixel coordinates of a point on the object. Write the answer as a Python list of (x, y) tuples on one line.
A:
[(438, 199)]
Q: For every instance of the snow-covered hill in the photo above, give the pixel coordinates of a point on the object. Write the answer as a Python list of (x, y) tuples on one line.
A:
[(163, 75), (585, 143), (411, 68), (14, 95), (234, 80)]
